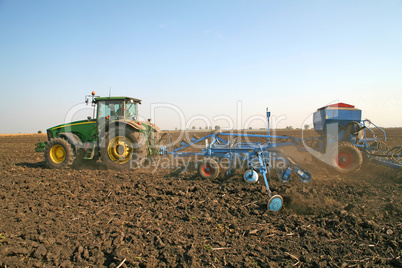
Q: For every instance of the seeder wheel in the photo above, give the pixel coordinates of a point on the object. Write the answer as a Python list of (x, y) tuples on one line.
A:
[(250, 176), (275, 203), (345, 157), (209, 169)]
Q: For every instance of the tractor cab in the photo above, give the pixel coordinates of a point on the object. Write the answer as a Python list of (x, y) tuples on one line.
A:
[(110, 109)]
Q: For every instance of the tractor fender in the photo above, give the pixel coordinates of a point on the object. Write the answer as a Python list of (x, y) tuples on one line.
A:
[(149, 124), (72, 139), (123, 123), (135, 125)]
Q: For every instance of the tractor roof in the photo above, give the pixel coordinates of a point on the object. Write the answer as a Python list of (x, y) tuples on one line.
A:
[(117, 98)]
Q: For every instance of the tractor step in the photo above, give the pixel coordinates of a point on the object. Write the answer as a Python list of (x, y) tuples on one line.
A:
[(90, 152)]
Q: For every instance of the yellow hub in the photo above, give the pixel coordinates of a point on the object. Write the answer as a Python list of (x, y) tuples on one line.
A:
[(120, 149), (57, 154)]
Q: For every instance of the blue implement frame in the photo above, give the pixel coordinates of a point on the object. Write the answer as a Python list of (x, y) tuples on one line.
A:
[(376, 149), (264, 156), (261, 156)]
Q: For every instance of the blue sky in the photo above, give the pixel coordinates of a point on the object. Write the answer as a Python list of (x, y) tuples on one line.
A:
[(203, 57)]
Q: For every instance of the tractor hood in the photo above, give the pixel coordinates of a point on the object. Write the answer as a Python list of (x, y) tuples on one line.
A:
[(84, 129)]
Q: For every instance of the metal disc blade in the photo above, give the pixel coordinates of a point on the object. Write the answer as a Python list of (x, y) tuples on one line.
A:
[(275, 203), (250, 176)]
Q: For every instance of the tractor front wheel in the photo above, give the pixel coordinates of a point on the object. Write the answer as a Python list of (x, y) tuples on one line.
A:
[(59, 153)]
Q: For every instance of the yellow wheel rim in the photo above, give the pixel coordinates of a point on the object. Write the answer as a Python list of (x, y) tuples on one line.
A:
[(57, 154), (120, 149)]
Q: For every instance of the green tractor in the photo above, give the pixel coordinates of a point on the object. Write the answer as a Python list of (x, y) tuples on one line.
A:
[(114, 135)]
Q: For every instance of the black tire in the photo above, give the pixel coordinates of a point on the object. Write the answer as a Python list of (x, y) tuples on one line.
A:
[(59, 154), (346, 157), (141, 148), (123, 148), (208, 169)]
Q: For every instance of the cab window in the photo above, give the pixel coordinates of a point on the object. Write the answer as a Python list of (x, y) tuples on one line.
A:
[(110, 110), (131, 110)]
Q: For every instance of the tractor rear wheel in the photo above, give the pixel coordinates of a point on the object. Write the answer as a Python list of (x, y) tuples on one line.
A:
[(122, 147), (346, 157), (59, 153)]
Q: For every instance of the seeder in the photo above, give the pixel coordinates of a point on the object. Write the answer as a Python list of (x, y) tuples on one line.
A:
[(342, 143), (346, 140)]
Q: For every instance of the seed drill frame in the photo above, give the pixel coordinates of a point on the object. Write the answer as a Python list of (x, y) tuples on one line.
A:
[(344, 140)]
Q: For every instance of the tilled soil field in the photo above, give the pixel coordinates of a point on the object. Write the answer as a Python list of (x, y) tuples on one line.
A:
[(167, 217)]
